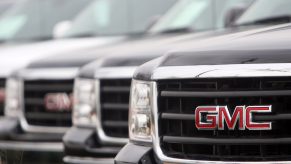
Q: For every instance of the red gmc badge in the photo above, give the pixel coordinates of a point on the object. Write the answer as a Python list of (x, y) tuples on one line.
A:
[(58, 102), (2, 95), (216, 117)]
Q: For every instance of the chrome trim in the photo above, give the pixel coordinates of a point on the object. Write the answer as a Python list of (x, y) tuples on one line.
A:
[(100, 132), (115, 72), (34, 128), (216, 71), (109, 73), (87, 160), (48, 73), (45, 73), (32, 146)]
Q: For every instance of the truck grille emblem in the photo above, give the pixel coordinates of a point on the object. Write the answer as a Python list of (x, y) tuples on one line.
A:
[(216, 117), (58, 102), (2, 95)]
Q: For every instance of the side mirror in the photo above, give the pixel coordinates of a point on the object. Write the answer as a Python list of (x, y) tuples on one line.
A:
[(233, 14), (61, 28)]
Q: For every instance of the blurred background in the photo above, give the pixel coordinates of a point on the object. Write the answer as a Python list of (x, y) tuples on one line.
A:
[(35, 29)]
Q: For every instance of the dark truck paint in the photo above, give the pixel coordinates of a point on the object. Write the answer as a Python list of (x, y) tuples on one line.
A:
[(235, 64), (236, 51)]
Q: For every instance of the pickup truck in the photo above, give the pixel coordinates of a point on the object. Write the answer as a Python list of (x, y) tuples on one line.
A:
[(100, 114), (20, 44), (216, 102), (95, 34), (102, 125), (101, 97), (34, 115)]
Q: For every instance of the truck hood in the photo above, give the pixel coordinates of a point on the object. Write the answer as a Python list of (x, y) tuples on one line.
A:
[(15, 57), (127, 46), (260, 46), (131, 52)]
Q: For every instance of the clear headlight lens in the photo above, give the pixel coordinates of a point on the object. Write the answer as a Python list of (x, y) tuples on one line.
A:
[(13, 97), (84, 111), (140, 111)]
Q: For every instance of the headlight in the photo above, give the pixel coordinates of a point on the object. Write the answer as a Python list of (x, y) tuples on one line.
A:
[(13, 97), (140, 111), (84, 111)]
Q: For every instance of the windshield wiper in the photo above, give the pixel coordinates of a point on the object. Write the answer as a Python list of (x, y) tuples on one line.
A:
[(42, 38), (85, 35), (270, 20), (177, 30)]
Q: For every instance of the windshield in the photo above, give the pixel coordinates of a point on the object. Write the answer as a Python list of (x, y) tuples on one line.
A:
[(197, 15), (264, 10), (114, 17), (35, 19), (4, 5)]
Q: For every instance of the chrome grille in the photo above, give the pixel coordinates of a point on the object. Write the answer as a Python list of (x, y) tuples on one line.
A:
[(179, 138), (114, 98), (35, 111)]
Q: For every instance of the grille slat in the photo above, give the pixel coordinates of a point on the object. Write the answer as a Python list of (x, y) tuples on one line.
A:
[(34, 101), (226, 141), (47, 87), (48, 116), (178, 99), (115, 106), (36, 113), (114, 96), (225, 94), (177, 116), (117, 124), (116, 89)]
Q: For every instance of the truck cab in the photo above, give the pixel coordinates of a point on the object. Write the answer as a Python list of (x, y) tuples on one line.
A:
[(6, 4), (224, 102)]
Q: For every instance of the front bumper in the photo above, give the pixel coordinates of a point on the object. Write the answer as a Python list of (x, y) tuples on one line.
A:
[(32, 146), (12, 137), (82, 146), (136, 154), (87, 160)]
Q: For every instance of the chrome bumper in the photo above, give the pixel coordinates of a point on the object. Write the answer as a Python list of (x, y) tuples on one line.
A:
[(135, 154), (32, 146), (87, 160)]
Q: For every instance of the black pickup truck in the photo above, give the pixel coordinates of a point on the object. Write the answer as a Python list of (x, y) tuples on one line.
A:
[(226, 102), (39, 97)]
